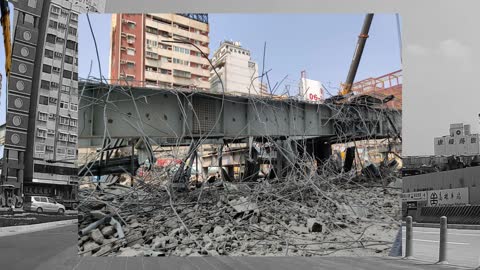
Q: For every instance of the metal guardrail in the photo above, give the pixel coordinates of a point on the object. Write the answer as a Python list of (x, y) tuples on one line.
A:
[(455, 214)]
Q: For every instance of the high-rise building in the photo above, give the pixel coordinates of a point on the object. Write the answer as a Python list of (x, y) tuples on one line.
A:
[(142, 53), (237, 71), (42, 113)]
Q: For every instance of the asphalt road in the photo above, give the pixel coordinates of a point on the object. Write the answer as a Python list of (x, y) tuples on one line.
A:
[(463, 246), (56, 250)]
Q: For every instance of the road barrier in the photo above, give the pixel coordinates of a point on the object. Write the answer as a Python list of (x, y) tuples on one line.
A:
[(409, 238), (442, 256)]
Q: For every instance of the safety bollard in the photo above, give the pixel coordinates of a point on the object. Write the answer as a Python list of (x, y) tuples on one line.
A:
[(409, 238), (442, 258)]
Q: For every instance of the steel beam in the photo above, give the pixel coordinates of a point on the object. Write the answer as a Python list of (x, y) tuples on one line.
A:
[(120, 112)]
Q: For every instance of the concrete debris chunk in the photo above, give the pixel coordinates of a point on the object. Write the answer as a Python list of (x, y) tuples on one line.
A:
[(314, 225), (97, 236), (218, 231), (242, 205), (108, 231)]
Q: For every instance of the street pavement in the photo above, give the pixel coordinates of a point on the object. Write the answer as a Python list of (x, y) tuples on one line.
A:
[(55, 249), (463, 246)]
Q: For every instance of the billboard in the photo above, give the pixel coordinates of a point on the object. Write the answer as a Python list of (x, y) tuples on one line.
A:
[(448, 197), (414, 196), (311, 90)]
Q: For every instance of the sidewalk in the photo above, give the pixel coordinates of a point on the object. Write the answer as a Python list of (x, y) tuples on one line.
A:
[(13, 230)]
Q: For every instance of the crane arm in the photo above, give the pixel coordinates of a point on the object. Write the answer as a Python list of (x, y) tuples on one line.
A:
[(5, 21), (362, 38)]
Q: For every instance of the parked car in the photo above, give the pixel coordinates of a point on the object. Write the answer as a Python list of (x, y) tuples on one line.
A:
[(42, 204)]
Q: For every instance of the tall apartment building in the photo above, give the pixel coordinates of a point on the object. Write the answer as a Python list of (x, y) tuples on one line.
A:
[(142, 56), (238, 72), (42, 114)]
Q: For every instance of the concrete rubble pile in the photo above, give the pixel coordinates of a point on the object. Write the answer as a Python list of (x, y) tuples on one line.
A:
[(311, 215)]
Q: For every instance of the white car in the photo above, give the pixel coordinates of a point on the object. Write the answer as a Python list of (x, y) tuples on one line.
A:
[(42, 204)]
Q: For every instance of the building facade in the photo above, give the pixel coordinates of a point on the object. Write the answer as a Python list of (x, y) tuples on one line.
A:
[(460, 142), (143, 54), (237, 71), (42, 113)]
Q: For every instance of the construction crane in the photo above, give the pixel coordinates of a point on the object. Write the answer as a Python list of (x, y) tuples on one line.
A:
[(5, 21), (362, 39)]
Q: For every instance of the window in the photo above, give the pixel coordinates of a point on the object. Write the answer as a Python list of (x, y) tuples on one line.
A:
[(73, 107), (152, 30), (462, 141), (152, 43), (68, 59), (181, 73), (65, 89), (40, 148), (45, 85), (71, 45), (62, 137), (56, 70), (130, 78), (48, 54), (47, 69), (50, 39), (41, 133), (58, 55), (43, 100), (164, 71), (131, 64), (64, 121), (52, 116), (72, 31), (130, 51), (473, 140), (67, 74), (451, 141), (181, 50), (63, 105), (181, 62), (54, 85), (52, 24), (42, 116), (60, 40), (151, 55), (74, 17), (73, 122), (75, 76), (60, 150), (52, 100), (51, 132), (49, 148), (55, 10), (131, 25), (440, 142), (164, 59), (72, 138), (70, 152)]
